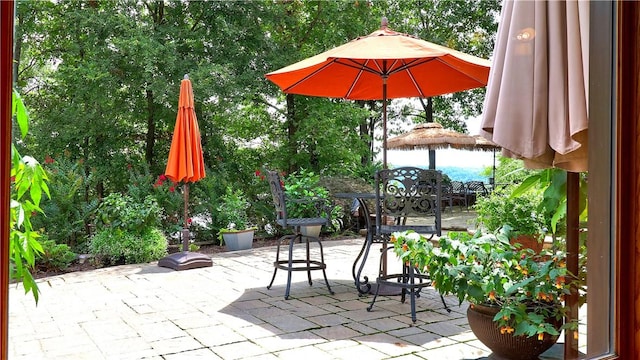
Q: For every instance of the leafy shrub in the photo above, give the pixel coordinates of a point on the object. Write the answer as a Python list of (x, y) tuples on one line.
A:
[(124, 213), (115, 246), (166, 193), (29, 183), (54, 256), (127, 231), (305, 185), (232, 210), (70, 210), (520, 213)]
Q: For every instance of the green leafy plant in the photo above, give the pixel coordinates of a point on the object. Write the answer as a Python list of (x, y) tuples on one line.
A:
[(552, 185), (29, 184), (307, 198), (54, 257), (115, 246), (520, 213), (127, 231), (123, 212), (232, 212), (69, 211), (165, 192), (527, 287)]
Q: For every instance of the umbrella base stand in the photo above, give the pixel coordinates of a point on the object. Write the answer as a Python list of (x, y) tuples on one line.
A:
[(185, 260)]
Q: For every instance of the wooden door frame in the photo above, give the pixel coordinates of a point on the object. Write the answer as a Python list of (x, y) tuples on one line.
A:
[(627, 194), (6, 84)]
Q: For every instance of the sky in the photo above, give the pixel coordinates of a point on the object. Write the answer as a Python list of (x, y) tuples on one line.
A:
[(445, 157)]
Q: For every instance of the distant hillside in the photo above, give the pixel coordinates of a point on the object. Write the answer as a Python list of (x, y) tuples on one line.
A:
[(463, 174)]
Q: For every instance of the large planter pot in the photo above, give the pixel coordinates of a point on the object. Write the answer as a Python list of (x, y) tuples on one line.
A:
[(505, 346), (311, 230), (241, 240)]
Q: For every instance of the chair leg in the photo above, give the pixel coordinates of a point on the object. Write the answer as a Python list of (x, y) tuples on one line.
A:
[(306, 264), (324, 273), (290, 268), (275, 264), (306, 239)]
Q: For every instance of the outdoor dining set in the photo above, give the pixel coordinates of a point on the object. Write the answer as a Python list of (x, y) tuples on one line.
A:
[(405, 198)]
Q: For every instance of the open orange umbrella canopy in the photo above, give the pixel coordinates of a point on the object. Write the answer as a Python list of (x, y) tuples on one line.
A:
[(357, 69), (185, 157), (383, 65)]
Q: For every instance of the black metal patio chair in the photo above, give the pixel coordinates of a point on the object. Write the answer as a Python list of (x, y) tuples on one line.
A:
[(412, 196), (296, 224)]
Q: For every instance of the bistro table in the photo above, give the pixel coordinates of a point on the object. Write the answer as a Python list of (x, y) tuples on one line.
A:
[(363, 286)]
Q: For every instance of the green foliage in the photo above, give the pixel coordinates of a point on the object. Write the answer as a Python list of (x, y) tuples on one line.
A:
[(115, 68), (307, 198), (552, 185), (232, 212), (54, 257), (511, 171), (122, 212), (29, 184), (116, 245), (527, 287), (166, 193), (69, 211), (521, 214)]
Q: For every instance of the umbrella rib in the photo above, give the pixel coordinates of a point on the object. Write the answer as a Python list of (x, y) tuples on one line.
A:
[(311, 74), (469, 76)]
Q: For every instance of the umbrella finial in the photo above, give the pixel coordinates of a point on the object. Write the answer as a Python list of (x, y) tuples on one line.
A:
[(186, 76), (384, 22)]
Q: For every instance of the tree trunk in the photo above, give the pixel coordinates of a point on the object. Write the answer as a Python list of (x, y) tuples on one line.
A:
[(151, 129), (291, 131)]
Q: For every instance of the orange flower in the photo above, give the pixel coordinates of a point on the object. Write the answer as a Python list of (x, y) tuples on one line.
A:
[(506, 330), (405, 247), (540, 336), (560, 282), (492, 295), (392, 239)]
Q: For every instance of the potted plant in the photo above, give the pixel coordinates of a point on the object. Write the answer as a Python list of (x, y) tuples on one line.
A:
[(515, 295), (306, 198), (519, 213), (236, 234)]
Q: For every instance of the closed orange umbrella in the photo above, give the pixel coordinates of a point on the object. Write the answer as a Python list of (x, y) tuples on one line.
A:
[(185, 156), (383, 65), (185, 164)]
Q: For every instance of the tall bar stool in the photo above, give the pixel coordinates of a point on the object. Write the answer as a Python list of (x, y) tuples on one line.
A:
[(299, 264)]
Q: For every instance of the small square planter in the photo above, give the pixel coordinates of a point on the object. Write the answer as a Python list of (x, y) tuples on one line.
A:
[(240, 240), (311, 230)]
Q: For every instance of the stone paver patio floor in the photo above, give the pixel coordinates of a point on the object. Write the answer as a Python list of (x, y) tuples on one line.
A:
[(225, 312)]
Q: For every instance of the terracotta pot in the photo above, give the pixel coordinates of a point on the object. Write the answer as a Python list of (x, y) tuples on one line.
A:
[(505, 346), (528, 242)]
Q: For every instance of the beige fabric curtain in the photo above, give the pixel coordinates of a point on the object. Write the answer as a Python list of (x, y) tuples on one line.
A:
[(536, 102)]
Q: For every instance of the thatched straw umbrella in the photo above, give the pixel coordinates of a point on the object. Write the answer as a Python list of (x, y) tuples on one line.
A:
[(433, 136)]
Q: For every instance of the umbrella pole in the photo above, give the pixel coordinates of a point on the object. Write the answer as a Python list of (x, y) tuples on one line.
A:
[(432, 159), (573, 248), (384, 120), (185, 229), (494, 169)]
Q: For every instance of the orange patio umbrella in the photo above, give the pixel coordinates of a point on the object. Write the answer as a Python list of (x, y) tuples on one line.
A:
[(383, 65), (185, 164)]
